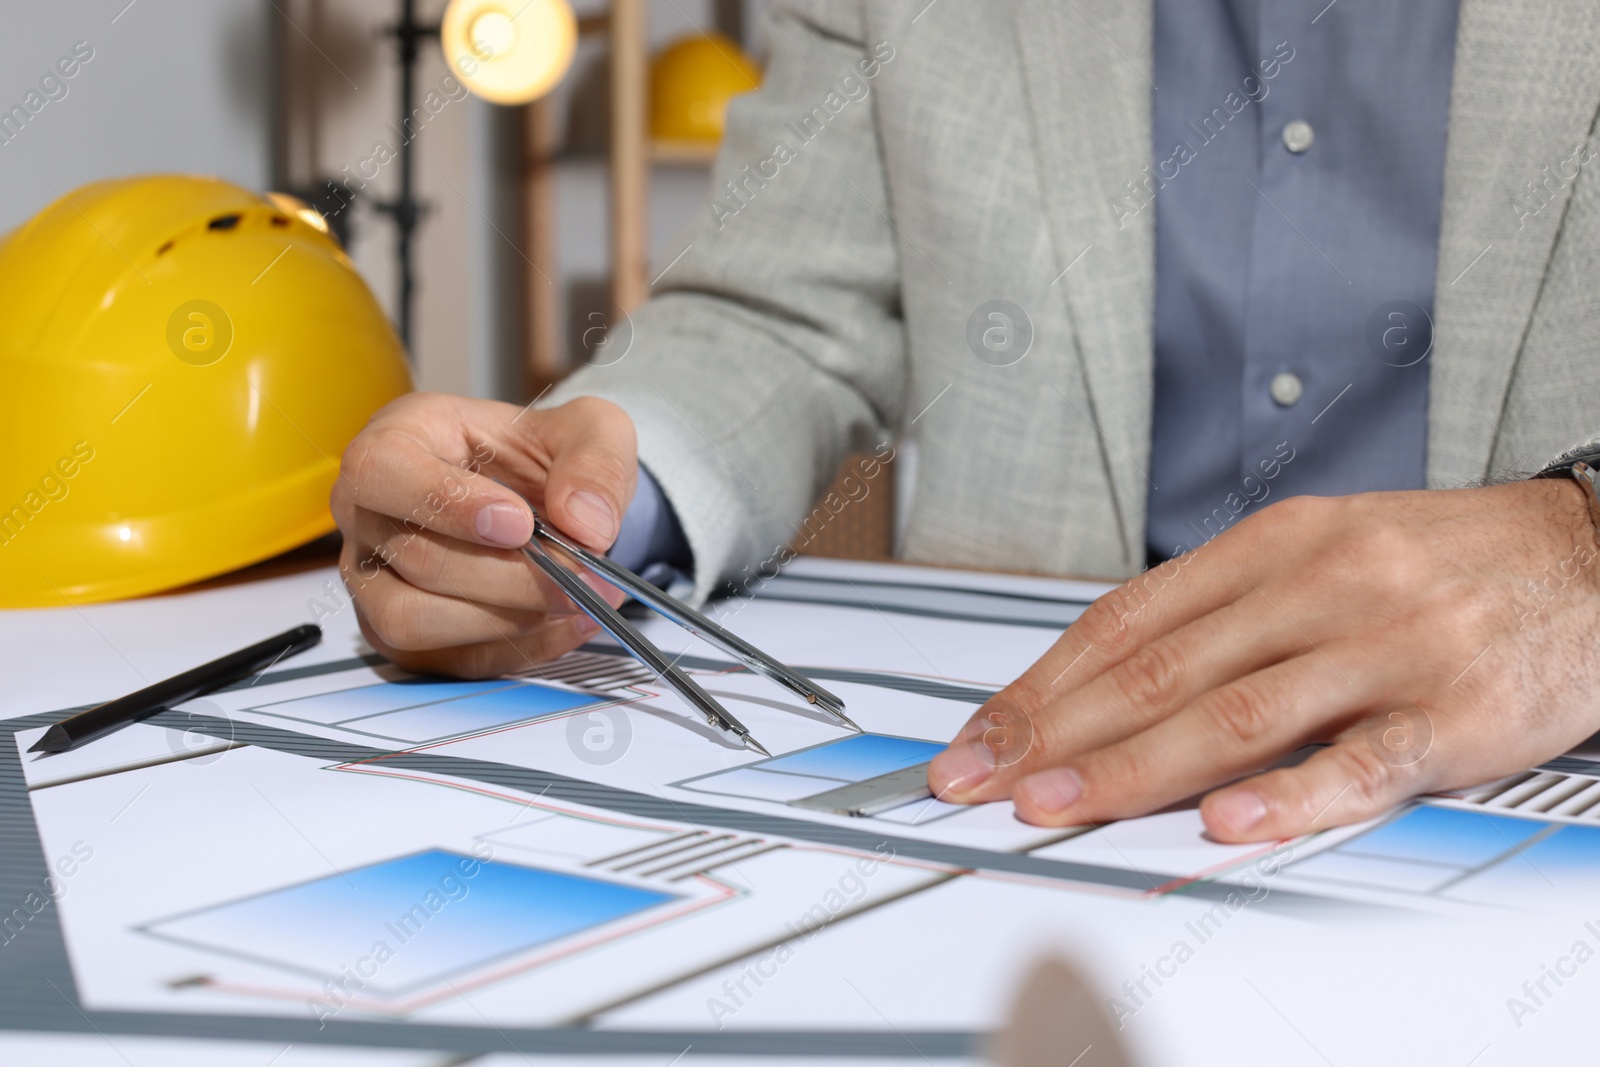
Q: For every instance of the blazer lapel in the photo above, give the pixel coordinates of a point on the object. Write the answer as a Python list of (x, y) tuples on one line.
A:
[(1523, 99), (1087, 69)]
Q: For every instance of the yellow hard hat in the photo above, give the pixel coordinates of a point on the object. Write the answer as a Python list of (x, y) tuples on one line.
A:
[(691, 83), (182, 362)]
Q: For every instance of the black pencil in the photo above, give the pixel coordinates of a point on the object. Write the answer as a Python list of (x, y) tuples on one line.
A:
[(85, 726)]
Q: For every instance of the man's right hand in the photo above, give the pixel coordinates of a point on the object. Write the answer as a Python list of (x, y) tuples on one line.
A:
[(432, 541)]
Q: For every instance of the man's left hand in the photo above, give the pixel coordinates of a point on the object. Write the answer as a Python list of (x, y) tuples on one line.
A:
[(1431, 640)]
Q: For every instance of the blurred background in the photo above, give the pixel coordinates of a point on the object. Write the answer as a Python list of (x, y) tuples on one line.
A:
[(534, 226), (513, 247)]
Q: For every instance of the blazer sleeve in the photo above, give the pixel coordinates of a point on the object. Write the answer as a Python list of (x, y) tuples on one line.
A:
[(775, 344)]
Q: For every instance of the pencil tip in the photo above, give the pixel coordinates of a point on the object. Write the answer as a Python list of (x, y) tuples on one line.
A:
[(54, 740)]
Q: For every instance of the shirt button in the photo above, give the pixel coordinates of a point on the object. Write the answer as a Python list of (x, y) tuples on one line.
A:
[(1298, 135), (1285, 389)]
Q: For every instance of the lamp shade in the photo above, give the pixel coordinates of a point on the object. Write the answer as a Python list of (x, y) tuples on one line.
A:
[(508, 51)]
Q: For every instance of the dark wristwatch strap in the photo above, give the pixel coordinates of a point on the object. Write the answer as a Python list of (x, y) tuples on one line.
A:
[(1581, 464)]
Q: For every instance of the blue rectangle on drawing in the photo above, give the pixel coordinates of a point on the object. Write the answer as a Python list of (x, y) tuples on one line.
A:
[(472, 714), (361, 701), (855, 759), (1563, 866), (1570, 851), (409, 922), (1445, 835)]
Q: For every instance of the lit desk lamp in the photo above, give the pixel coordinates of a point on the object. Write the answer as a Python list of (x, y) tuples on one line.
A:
[(509, 52)]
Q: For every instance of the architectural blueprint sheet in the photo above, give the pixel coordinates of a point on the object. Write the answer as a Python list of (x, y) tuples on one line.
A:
[(341, 858)]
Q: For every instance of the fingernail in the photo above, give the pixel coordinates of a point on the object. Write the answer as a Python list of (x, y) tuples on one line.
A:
[(591, 511), (961, 768), (504, 524), (587, 626), (1053, 791), (1238, 810)]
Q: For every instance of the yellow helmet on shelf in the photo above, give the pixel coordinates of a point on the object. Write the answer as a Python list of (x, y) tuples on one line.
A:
[(691, 82), (183, 362)]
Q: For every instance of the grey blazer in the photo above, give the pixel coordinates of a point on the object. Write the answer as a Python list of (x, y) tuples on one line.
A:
[(907, 161)]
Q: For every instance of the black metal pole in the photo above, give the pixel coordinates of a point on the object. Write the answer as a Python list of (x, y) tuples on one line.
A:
[(405, 215), (405, 209)]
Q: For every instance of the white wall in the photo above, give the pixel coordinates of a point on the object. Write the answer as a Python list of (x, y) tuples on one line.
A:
[(173, 85)]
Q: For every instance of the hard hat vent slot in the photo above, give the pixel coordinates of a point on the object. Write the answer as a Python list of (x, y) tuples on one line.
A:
[(164, 249), (279, 221), (223, 222)]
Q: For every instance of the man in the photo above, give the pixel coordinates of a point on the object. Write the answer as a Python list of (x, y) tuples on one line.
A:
[(1142, 279)]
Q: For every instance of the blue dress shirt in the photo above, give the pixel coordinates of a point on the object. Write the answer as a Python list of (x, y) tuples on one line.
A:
[(1300, 150), (650, 542)]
